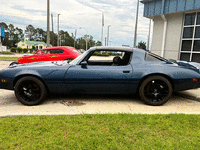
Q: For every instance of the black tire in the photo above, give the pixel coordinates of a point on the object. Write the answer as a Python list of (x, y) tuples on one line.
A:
[(30, 91), (13, 63), (155, 90)]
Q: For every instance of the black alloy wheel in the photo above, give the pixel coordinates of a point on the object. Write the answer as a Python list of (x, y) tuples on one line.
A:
[(155, 90), (30, 91)]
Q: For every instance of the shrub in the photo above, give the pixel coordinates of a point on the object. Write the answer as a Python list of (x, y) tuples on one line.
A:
[(25, 50), (13, 49), (19, 49), (31, 50), (6, 52)]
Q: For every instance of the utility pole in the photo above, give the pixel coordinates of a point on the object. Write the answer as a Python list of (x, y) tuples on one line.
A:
[(108, 34), (52, 30), (48, 33), (102, 29), (135, 36), (105, 41), (75, 38), (58, 31)]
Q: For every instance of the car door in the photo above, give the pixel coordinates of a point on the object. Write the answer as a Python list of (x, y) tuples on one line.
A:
[(99, 79), (41, 55), (55, 54)]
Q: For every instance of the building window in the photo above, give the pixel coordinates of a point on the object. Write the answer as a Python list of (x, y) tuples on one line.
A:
[(190, 49), (188, 32), (189, 19)]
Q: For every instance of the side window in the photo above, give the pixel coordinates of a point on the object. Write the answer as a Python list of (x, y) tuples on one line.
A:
[(49, 51), (57, 51), (109, 58), (43, 52)]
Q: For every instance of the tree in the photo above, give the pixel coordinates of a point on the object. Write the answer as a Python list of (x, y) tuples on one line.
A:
[(30, 31), (53, 41), (81, 43), (98, 43), (14, 35), (11, 36), (11, 30), (19, 34), (142, 45), (66, 39), (2, 24), (91, 42), (39, 35)]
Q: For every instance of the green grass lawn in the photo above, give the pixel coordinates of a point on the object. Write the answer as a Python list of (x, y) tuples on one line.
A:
[(9, 58), (109, 131)]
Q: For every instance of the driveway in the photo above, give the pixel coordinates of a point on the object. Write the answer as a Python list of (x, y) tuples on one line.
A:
[(92, 104)]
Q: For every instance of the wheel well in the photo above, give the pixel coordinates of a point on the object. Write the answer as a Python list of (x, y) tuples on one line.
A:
[(156, 74), (30, 75)]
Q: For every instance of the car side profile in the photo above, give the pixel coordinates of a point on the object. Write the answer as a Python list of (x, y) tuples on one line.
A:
[(50, 54), (103, 70)]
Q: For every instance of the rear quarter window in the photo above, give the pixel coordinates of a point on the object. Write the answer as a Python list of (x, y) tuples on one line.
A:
[(150, 57)]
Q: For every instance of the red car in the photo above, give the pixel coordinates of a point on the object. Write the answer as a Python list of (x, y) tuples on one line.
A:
[(50, 54)]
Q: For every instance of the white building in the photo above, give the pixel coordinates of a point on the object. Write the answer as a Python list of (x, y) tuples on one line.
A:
[(176, 32)]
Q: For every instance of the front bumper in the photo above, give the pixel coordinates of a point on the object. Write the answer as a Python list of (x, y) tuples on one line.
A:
[(6, 83)]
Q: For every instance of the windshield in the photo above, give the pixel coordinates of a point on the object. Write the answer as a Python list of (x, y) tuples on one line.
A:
[(79, 58)]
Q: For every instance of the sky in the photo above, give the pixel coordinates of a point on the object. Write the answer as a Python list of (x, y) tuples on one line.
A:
[(83, 15)]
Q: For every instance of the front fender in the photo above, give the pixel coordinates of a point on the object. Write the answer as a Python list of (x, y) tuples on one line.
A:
[(27, 72)]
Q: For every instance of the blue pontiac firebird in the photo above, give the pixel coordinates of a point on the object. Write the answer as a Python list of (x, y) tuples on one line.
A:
[(120, 70)]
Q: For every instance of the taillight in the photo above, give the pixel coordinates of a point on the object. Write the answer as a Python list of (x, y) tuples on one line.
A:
[(194, 79)]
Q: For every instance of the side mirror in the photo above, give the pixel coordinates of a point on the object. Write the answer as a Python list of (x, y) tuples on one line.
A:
[(84, 64)]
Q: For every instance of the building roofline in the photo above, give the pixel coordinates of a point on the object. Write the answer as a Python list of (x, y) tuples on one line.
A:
[(159, 7)]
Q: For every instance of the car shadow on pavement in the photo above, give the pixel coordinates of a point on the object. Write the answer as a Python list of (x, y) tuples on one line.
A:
[(83, 99), (8, 98)]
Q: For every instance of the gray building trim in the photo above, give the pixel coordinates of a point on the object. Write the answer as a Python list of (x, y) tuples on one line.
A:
[(160, 7)]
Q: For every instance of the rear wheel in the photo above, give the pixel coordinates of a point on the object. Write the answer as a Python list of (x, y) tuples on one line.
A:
[(30, 91), (155, 90)]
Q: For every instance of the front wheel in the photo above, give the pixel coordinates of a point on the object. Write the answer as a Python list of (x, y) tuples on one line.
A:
[(30, 91), (155, 90)]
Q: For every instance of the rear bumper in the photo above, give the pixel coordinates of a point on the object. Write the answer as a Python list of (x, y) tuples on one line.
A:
[(185, 84)]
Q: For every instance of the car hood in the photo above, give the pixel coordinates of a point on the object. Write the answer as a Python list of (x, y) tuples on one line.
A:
[(40, 64)]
